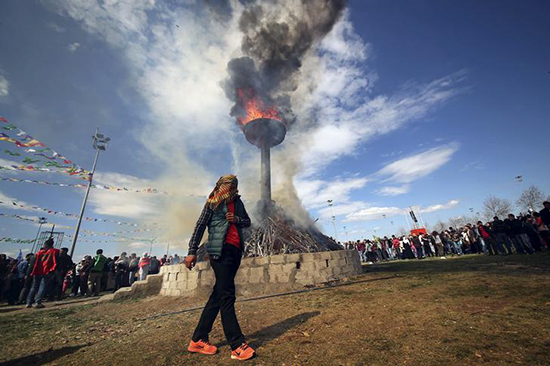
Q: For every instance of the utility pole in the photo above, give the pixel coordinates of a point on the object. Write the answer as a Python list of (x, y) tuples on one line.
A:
[(41, 221), (346, 231), (151, 247), (333, 220), (100, 144)]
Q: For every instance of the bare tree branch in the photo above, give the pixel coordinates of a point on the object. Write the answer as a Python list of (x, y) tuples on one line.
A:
[(494, 206)]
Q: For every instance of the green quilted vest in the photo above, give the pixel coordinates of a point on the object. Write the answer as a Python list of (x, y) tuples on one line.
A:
[(217, 229)]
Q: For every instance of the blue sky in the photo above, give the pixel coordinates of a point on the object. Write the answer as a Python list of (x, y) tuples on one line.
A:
[(435, 104)]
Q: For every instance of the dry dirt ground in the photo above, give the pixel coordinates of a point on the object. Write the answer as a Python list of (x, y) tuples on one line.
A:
[(459, 311)]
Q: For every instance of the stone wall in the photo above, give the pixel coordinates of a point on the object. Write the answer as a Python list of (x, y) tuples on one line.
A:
[(151, 286), (265, 275), (256, 276)]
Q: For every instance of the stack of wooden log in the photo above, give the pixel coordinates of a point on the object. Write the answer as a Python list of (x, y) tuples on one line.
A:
[(277, 234)]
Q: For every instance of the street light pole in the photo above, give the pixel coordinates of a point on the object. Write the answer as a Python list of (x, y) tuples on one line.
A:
[(333, 220), (151, 247), (41, 221), (100, 143), (346, 231)]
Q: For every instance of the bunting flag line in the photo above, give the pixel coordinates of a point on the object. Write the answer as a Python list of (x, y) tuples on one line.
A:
[(119, 232), (53, 158), (84, 231), (96, 186), (73, 215), (18, 241), (121, 238), (31, 168), (90, 232), (19, 217)]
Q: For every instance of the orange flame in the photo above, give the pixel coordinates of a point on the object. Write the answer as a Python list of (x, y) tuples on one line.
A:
[(255, 107)]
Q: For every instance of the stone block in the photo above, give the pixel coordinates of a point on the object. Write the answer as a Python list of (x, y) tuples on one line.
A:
[(193, 276), (182, 276), (273, 271), (191, 285), (340, 262), (247, 262), (180, 285), (308, 257), (257, 275), (283, 277), (278, 259), (207, 278), (293, 258), (309, 266), (175, 292), (317, 280), (324, 256), (262, 261), (202, 266), (289, 267), (304, 280)]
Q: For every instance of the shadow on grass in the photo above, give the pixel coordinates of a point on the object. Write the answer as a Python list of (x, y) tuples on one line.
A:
[(269, 333), (517, 263), (42, 357)]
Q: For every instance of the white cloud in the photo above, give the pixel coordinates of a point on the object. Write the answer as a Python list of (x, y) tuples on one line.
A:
[(6, 165), (124, 204), (336, 91), (393, 190), (73, 46), (7, 202), (316, 193), (4, 87), (439, 207), (374, 213), (138, 244), (417, 166), (55, 27), (377, 213)]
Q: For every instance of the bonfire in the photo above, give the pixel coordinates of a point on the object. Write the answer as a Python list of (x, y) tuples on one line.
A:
[(275, 232)]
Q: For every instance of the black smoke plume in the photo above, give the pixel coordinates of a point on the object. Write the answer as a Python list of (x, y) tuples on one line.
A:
[(274, 44)]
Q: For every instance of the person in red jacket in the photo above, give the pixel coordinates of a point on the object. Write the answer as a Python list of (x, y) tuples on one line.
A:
[(43, 266)]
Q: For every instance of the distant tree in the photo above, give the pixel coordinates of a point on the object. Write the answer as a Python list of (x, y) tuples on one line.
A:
[(440, 226), (456, 222), (531, 199), (402, 232), (494, 206)]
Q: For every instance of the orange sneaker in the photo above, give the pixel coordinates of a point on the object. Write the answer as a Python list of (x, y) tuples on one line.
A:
[(203, 347), (244, 352)]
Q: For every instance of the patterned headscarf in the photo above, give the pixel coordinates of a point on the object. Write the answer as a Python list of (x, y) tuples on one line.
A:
[(225, 191)]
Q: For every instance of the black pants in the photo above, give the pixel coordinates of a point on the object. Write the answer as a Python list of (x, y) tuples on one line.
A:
[(222, 299), (118, 279), (75, 284)]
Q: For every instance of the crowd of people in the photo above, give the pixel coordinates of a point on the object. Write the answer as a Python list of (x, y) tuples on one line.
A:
[(525, 234), (50, 274)]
